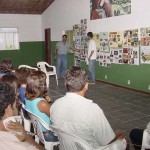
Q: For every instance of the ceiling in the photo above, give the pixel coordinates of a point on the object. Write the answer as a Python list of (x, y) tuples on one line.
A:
[(24, 6)]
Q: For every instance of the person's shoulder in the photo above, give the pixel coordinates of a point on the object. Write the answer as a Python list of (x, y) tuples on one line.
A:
[(95, 107), (58, 102)]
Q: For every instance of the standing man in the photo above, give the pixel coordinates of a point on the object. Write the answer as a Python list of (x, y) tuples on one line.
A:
[(60, 53), (91, 57)]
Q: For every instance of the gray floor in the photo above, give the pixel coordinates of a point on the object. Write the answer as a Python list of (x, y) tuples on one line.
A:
[(124, 109)]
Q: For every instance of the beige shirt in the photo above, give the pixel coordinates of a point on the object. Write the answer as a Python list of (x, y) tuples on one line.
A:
[(9, 141), (77, 115)]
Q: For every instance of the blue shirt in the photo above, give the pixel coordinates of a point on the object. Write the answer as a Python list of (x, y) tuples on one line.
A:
[(22, 94), (32, 106), (62, 48)]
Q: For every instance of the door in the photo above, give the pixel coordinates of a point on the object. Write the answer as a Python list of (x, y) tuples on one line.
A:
[(48, 45)]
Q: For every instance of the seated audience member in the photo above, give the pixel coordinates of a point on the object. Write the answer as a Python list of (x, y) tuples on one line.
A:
[(78, 115), (12, 134), (13, 81), (35, 102), (136, 136), (22, 75), (6, 67)]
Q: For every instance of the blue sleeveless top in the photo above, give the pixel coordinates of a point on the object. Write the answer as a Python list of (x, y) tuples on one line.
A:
[(32, 106)]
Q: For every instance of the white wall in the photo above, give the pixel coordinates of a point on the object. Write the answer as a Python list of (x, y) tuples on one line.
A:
[(63, 14), (30, 26)]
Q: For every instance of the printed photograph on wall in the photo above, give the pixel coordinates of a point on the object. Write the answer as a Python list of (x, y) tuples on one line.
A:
[(104, 41), (109, 8), (145, 36), (131, 38), (116, 39), (145, 55)]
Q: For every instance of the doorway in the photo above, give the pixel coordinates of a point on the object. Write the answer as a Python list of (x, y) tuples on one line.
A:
[(48, 45)]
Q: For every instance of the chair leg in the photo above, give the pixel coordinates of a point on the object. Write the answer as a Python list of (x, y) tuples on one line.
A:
[(47, 81), (56, 79)]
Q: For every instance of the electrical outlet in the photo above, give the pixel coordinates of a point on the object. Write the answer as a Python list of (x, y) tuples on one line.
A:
[(105, 76), (129, 82), (148, 87)]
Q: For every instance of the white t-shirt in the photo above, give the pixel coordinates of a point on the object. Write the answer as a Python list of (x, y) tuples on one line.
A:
[(92, 47), (10, 141)]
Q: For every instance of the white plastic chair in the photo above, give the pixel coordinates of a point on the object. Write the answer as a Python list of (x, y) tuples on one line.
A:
[(26, 66), (42, 66), (27, 122), (146, 140), (37, 130), (72, 142)]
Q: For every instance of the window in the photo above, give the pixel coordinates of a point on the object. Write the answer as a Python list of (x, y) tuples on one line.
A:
[(9, 39)]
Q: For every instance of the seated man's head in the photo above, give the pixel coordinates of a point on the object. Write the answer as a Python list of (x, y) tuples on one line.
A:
[(7, 101), (76, 80)]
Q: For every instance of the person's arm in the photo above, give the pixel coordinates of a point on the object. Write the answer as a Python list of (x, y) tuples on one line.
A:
[(48, 99), (89, 58), (55, 53), (118, 135), (21, 134), (74, 49), (148, 127), (44, 107)]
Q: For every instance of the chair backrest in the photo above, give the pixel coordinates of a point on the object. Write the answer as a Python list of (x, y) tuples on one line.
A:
[(45, 67), (41, 66), (26, 66), (146, 140), (36, 121), (72, 142)]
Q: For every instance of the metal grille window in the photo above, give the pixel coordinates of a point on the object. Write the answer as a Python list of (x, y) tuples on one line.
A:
[(9, 39)]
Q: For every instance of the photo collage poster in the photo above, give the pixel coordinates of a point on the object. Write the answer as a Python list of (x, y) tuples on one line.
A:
[(102, 47), (84, 40), (131, 47), (100, 9), (116, 55), (116, 47), (80, 41), (145, 45)]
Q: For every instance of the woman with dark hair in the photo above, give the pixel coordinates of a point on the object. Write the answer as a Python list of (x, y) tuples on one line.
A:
[(13, 81), (35, 101)]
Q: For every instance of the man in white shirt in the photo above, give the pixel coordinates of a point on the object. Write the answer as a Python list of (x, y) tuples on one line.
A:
[(91, 57), (78, 115)]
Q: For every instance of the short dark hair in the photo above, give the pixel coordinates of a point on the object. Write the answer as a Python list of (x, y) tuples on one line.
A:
[(13, 81), (75, 79), (90, 34), (7, 97), (36, 85), (65, 36), (6, 66)]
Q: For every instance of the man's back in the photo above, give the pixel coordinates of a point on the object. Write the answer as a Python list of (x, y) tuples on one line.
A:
[(80, 116)]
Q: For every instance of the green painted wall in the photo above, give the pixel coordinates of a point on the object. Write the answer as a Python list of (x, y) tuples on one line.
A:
[(139, 76), (30, 53)]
